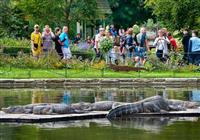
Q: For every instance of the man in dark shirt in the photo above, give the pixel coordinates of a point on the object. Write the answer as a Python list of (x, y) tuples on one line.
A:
[(185, 42), (58, 43)]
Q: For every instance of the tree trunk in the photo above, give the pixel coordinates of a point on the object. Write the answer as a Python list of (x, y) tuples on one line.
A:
[(67, 10)]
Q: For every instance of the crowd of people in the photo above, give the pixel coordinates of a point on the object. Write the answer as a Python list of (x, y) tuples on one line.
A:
[(42, 43), (137, 46), (127, 44)]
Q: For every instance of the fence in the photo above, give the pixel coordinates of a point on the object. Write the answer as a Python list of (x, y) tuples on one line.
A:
[(50, 66)]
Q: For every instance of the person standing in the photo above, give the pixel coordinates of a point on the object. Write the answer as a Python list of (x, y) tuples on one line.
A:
[(113, 30), (185, 42), (123, 47), (194, 48), (165, 34), (129, 43), (47, 37), (143, 47), (98, 37), (36, 42), (58, 43), (112, 55), (65, 48), (121, 32), (160, 44)]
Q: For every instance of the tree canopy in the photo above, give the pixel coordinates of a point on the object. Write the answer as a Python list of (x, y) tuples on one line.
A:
[(51, 12), (128, 12), (17, 17), (176, 14)]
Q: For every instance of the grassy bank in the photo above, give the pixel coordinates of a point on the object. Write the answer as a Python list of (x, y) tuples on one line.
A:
[(18, 73)]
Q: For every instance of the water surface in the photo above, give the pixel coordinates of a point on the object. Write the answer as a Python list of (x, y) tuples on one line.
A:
[(100, 129)]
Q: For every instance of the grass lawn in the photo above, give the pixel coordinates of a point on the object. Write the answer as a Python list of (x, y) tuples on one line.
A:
[(18, 73)]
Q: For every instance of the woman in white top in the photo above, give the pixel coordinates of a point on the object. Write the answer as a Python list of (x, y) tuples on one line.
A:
[(160, 44), (98, 37)]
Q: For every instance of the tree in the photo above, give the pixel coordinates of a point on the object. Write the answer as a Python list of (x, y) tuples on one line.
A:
[(18, 14), (176, 14), (126, 13), (12, 20), (4, 10), (56, 12)]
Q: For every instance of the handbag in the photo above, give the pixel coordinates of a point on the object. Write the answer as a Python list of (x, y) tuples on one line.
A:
[(35, 46)]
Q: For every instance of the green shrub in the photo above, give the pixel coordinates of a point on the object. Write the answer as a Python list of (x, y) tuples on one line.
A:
[(154, 64), (23, 60), (13, 46), (52, 61), (84, 55), (13, 51), (16, 43)]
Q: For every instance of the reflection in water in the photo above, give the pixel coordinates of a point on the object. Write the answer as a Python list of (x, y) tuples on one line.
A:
[(195, 95), (36, 97), (26, 96), (149, 124), (66, 97), (153, 125), (129, 129), (104, 130)]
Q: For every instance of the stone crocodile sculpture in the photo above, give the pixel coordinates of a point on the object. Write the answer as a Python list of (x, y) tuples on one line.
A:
[(50, 109), (150, 105), (42, 109), (177, 104)]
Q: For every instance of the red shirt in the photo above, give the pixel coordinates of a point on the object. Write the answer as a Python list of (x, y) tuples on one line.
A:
[(173, 42)]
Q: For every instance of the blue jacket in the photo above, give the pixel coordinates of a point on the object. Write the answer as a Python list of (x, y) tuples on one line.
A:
[(194, 44)]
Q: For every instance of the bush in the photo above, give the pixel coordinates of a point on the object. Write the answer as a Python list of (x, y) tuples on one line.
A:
[(175, 63), (23, 60), (12, 47), (13, 51), (154, 64), (106, 44), (52, 61), (84, 55), (16, 43)]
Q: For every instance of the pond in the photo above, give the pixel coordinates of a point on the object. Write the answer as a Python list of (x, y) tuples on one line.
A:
[(100, 129)]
